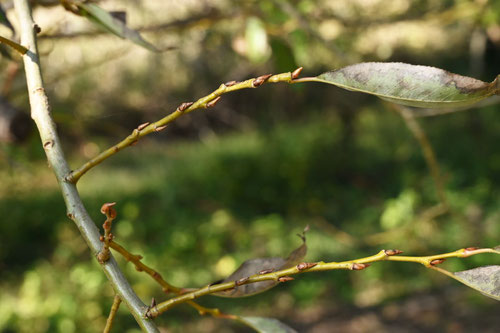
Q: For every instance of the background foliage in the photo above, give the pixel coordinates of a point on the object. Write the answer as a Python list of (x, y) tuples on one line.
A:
[(239, 181)]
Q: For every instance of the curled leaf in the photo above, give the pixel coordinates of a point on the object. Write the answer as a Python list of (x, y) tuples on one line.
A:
[(485, 279), (109, 22), (260, 266), (412, 85), (266, 325)]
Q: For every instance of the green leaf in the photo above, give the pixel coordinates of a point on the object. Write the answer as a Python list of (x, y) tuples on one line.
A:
[(485, 279), (113, 25), (257, 46), (266, 325), (254, 266), (412, 85)]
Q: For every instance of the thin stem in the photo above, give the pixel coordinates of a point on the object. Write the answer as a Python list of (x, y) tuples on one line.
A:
[(284, 275), (114, 308), (19, 48), (40, 112), (205, 102), (141, 267), (167, 287), (430, 157)]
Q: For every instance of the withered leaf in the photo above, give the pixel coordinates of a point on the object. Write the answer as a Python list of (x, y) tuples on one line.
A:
[(254, 266), (485, 279), (412, 85)]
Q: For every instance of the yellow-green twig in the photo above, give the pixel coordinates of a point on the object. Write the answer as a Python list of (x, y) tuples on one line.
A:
[(18, 47), (167, 287), (284, 275), (204, 102), (114, 308)]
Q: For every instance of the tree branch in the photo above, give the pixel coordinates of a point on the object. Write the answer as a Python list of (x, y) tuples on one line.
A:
[(112, 313), (284, 275), (167, 287), (40, 112), (204, 102)]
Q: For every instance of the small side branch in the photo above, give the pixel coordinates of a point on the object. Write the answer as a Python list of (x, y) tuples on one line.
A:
[(285, 275), (202, 103), (167, 287), (114, 308)]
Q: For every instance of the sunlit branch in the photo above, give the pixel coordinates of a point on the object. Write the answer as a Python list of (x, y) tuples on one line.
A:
[(285, 275), (202, 103), (167, 287)]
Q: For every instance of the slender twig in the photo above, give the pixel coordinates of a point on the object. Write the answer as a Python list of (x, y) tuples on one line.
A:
[(167, 287), (19, 48), (141, 267), (204, 102), (430, 157), (40, 112), (284, 275), (112, 313)]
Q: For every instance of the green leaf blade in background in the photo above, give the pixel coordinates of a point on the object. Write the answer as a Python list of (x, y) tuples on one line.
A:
[(412, 85), (266, 325), (485, 279), (113, 25)]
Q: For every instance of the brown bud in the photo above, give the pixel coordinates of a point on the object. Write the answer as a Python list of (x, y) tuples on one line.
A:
[(437, 262), (471, 248), (305, 265), (101, 238), (357, 266), (36, 28), (213, 102), (108, 210), (184, 106), (161, 128), (153, 302), (392, 252), (241, 281), (260, 80), (296, 73), (230, 83), (285, 279), (142, 126), (266, 271)]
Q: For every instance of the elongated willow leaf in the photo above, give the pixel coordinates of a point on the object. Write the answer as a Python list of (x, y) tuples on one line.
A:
[(266, 325), (112, 24), (485, 279), (412, 85)]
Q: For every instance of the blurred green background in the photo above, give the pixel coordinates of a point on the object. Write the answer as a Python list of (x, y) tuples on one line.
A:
[(240, 180)]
